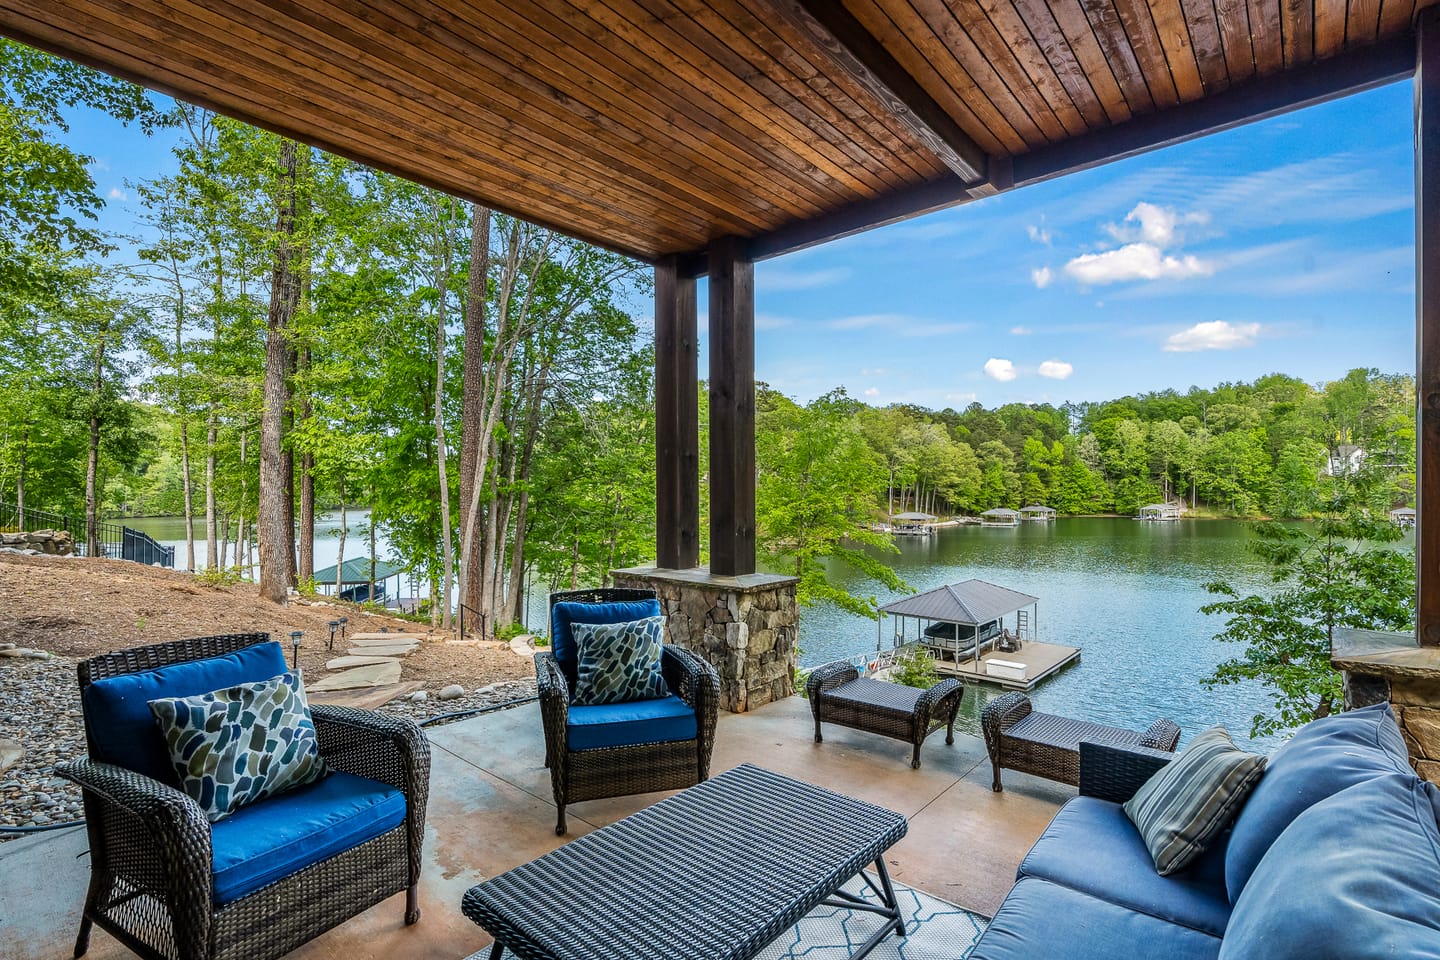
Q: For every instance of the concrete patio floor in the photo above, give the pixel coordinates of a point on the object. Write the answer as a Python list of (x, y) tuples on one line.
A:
[(490, 810)]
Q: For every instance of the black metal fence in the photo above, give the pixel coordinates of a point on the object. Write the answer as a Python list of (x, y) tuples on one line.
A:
[(116, 540)]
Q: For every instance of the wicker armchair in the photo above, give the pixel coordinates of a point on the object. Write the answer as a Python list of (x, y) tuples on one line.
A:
[(617, 771), (1019, 738), (151, 854)]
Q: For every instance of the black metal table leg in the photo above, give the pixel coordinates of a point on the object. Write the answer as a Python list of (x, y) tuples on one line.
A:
[(888, 907)]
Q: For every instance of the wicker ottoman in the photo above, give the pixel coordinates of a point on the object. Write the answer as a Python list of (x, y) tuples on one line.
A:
[(1019, 738), (838, 694)]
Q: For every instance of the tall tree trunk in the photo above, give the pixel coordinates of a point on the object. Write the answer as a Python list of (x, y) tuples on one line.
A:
[(224, 540), (307, 489), (340, 553), (472, 400), (189, 493), (92, 464), (212, 438), (273, 527), (371, 596), (287, 461), (442, 276), (20, 476), (241, 530)]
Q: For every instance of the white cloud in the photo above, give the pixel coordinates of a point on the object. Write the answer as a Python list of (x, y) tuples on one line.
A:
[(1002, 370), (1213, 335), (1020, 331), (1154, 224), (864, 321), (872, 391), (1136, 261), (1055, 369), (873, 372), (1041, 277), (776, 279), (960, 397), (770, 321), (1038, 234), (117, 194)]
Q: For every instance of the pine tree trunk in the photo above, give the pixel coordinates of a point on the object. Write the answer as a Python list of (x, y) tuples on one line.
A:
[(211, 439), (306, 571), (441, 616), (224, 540), (273, 527), (189, 494), (287, 460), (340, 553), (472, 401), (241, 529), (92, 464)]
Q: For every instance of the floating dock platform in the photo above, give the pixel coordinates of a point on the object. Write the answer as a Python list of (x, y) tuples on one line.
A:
[(1041, 661)]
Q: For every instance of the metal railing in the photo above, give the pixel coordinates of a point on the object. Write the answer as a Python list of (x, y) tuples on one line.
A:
[(117, 541)]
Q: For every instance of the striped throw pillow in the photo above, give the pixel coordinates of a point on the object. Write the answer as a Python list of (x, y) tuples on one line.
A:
[(1192, 799)]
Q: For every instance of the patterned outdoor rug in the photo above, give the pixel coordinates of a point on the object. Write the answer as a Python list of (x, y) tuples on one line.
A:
[(936, 931)]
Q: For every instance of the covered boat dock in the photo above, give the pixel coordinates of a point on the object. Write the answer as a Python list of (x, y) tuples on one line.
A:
[(964, 626)]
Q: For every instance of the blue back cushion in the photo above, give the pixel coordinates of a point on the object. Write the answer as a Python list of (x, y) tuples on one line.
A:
[(562, 640), (118, 718), (1323, 758), (1356, 876)]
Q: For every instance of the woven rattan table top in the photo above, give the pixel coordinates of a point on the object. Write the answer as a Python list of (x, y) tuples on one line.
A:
[(715, 872)]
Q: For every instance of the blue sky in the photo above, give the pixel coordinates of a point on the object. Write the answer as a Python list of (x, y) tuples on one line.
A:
[(1286, 245)]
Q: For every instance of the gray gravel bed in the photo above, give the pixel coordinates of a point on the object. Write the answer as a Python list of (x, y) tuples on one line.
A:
[(40, 709)]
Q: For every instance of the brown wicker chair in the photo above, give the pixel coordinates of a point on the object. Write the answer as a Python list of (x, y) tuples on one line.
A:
[(592, 774), (1019, 738), (150, 844)]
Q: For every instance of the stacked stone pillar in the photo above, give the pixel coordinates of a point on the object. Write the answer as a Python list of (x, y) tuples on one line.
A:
[(1393, 666), (746, 627)]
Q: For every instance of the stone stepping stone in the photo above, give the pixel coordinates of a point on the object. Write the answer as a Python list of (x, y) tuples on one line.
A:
[(355, 660), (382, 639), (523, 646), (394, 650), (375, 675), (366, 698)]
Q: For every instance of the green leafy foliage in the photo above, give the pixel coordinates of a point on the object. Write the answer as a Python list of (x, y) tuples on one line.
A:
[(1337, 572), (915, 667)]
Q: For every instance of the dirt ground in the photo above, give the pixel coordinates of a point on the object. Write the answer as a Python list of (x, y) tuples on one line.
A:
[(81, 607)]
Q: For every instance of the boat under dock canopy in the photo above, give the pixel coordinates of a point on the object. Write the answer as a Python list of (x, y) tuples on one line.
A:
[(964, 626)]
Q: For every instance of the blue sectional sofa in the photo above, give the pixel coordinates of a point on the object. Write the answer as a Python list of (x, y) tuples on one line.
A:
[(1336, 854)]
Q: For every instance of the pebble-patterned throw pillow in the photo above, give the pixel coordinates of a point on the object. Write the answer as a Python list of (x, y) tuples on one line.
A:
[(235, 746), (619, 662)]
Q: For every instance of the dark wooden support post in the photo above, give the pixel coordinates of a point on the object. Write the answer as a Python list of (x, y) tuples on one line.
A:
[(732, 408), (1427, 323), (677, 419)]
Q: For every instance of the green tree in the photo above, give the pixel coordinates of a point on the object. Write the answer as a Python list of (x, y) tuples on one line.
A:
[(1340, 572), (817, 479)]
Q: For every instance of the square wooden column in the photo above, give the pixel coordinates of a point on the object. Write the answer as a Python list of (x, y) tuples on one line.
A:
[(677, 420), (732, 408), (1427, 324)]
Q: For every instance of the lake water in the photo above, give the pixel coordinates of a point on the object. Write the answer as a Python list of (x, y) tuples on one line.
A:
[(1127, 593)]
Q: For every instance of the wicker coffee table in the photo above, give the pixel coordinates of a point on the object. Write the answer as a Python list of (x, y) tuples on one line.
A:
[(715, 872)]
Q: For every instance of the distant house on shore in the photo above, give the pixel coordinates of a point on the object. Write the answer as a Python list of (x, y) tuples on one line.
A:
[(1344, 460)]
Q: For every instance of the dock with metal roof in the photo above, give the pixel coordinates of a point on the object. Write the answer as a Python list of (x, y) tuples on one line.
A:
[(964, 626)]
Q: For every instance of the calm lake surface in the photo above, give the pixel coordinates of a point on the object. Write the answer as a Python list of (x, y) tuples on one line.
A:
[(1127, 593)]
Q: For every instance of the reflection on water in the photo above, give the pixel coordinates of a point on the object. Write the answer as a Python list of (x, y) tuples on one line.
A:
[(1127, 593)]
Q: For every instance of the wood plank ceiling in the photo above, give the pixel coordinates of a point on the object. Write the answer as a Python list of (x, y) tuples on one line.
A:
[(656, 126)]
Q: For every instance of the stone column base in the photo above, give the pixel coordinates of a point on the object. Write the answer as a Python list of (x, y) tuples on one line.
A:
[(1393, 666), (746, 627)]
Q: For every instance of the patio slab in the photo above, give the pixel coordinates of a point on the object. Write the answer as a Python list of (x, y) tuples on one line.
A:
[(490, 809)]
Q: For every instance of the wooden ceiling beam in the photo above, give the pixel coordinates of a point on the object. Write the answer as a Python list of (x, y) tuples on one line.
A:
[(1363, 69), (866, 61)]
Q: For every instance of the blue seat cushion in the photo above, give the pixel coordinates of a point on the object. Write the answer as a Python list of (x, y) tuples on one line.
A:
[(1354, 877), (268, 841), (1091, 846), (629, 724), (562, 640), (117, 712), (1041, 920), (1323, 758)]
